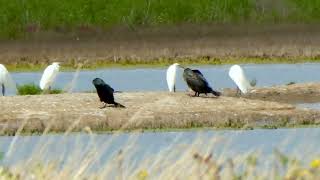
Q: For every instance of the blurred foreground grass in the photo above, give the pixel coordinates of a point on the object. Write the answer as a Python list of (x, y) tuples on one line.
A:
[(200, 167)]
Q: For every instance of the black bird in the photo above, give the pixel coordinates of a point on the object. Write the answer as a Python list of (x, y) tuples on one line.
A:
[(105, 93), (196, 81)]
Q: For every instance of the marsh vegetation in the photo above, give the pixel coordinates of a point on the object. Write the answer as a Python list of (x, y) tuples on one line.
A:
[(32, 89), (19, 18)]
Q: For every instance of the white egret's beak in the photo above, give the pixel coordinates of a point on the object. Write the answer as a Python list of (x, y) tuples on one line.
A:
[(181, 66)]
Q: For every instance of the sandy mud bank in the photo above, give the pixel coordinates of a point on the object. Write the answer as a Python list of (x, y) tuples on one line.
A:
[(145, 110), (295, 93)]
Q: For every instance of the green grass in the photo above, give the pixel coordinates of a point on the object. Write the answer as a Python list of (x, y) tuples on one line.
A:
[(20, 17), (55, 91), (32, 89), (161, 62), (29, 89)]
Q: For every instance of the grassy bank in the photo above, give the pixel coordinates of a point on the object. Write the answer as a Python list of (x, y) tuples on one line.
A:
[(236, 127), (20, 18), (162, 62)]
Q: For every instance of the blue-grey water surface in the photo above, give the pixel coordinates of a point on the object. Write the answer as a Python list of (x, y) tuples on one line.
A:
[(153, 79), (314, 106), (302, 143)]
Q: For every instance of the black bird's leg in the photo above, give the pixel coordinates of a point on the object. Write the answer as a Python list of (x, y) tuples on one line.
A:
[(104, 105), (3, 89), (196, 94)]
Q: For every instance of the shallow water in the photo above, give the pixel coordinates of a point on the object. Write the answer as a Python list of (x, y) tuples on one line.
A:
[(302, 143), (314, 106), (153, 79)]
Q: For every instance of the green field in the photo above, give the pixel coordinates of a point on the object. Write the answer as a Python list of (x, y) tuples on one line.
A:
[(18, 18)]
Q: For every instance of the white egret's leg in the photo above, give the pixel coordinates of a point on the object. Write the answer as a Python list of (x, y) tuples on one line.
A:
[(238, 93), (3, 89)]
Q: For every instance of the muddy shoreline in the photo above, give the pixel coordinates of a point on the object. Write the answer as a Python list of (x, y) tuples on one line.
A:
[(195, 43), (159, 110), (293, 94)]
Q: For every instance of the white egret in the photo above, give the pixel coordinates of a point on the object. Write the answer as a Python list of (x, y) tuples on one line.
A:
[(237, 74), (171, 77), (49, 76), (6, 80)]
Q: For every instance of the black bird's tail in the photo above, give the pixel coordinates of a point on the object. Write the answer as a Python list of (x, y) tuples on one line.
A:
[(118, 105), (216, 93)]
